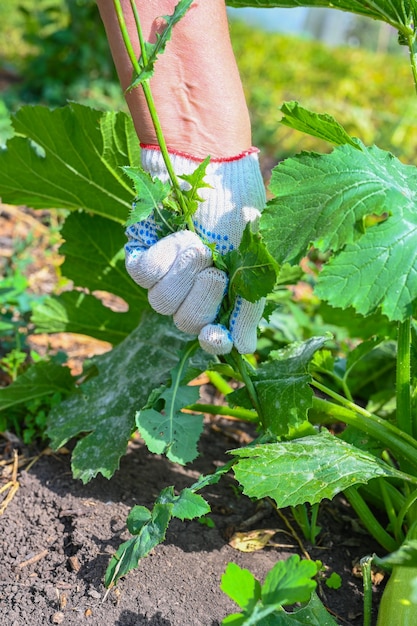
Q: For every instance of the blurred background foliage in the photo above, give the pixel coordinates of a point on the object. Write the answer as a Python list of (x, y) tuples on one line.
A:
[(52, 51)]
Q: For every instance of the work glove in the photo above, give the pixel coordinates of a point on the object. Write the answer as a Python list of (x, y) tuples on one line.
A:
[(178, 269)]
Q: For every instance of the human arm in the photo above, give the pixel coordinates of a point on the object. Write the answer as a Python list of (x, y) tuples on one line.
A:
[(202, 109), (196, 85)]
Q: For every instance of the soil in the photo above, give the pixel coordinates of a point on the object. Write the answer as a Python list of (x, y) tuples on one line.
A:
[(57, 535)]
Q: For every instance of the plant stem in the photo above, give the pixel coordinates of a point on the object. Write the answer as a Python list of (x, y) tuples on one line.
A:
[(403, 377), (243, 370), (336, 396), (411, 41), (150, 101), (219, 382), (366, 564), (369, 520), (246, 415), (389, 508), (389, 435), (404, 510)]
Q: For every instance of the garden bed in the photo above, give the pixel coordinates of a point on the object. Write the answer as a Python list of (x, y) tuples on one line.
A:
[(60, 535)]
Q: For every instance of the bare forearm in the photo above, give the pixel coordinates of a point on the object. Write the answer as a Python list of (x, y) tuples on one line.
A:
[(196, 85)]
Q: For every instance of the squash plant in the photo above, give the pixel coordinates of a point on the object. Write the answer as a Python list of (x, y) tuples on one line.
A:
[(355, 206)]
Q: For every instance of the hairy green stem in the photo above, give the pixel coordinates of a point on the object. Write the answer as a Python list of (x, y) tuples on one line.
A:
[(150, 101), (369, 520), (307, 525), (412, 498), (246, 377), (411, 43), (386, 433), (403, 377), (245, 415), (372, 492), (343, 401), (389, 507), (366, 564), (219, 382)]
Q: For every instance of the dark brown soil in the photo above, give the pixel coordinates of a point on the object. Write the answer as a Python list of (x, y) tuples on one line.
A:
[(58, 536)]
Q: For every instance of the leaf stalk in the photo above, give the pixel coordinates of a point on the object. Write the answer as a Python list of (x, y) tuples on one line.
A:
[(150, 101), (389, 435)]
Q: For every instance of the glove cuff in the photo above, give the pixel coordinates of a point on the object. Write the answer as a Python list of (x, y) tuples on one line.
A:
[(191, 157), (234, 197)]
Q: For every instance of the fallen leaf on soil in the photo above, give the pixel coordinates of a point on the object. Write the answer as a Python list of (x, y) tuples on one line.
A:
[(252, 540)]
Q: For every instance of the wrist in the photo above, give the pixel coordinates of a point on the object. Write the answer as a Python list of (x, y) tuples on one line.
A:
[(234, 193), (183, 154)]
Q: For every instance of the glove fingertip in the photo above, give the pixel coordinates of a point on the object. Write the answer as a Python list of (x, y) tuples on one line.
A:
[(244, 323), (215, 339)]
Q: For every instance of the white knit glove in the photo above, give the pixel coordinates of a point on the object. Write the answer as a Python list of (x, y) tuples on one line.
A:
[(178, 269)]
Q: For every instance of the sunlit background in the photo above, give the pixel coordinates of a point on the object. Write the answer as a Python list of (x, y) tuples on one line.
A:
[(330, 61)]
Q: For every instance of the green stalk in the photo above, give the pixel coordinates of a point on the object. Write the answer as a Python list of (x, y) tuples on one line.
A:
[(245, 415), (219, 382), (150, 101), (411, 41), (300, 515), (366, 564), (403, 378), (245, 374), (313, 522), (389, 435), (410, 500), (372, 493), (389, 508), (307, 525), (369, 520)]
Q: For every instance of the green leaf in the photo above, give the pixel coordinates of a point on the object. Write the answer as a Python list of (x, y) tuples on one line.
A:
[(106, 406), (166, 429), (283, 387), (357, 325), (150, 194), (189, 505), (252, 270), (129, 553), (334, 581), (212, 479), (305, 470), (323, 126), (372, 266), (152, 50), (94, 258), (196, 182), (289, 581), (406, 556), (186, 505), (137, 518), (321, 200), (41, 379), (78, 312), (241, 586), (379, 270), (313, 614), (70, 158), (95, 244), (396, 13)]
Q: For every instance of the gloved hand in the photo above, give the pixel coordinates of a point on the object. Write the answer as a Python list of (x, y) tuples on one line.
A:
[(178, 269)]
